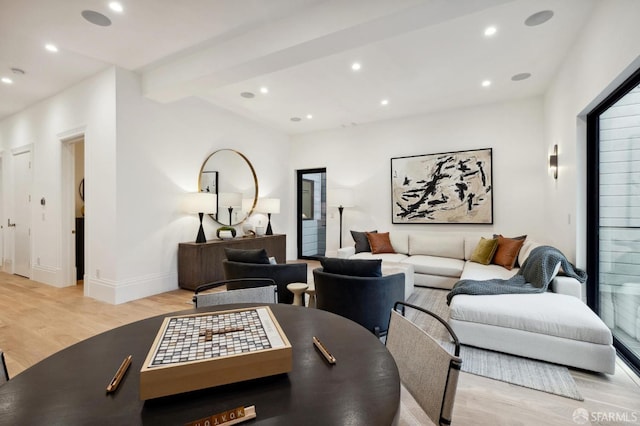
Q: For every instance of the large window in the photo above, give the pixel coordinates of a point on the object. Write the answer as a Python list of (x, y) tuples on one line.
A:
[(614, 215)]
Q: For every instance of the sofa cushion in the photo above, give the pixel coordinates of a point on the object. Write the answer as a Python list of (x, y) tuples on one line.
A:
[(247, 256), (484, 251), (544, 313), (507, 252), (352, 267), (400, 241), (385, 257), (526, 250), (434, 244), (434, 265), (476, 271), (362, 243), (380, 242)]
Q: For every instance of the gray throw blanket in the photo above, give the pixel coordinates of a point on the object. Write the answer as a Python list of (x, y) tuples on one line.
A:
[(533, 277)]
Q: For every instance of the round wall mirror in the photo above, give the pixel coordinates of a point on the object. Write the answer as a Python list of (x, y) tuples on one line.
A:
[(230, 175)]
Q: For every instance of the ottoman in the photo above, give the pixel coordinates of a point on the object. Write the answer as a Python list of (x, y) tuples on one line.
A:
[(547, 326), (390, 268)]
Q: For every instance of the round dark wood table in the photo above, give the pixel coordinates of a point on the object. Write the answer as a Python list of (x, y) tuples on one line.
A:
[(68, 388)]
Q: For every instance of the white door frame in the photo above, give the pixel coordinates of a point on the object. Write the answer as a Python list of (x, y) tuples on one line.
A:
[(67, 204)]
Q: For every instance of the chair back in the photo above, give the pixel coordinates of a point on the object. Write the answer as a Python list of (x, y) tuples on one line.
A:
[(265, 294), (427, 370), (244, 290), (282, 274), (365, 300), (4, 374)]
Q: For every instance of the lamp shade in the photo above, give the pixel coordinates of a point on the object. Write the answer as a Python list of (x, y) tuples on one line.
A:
[(268, 205), (247, 204), (200, 202), (341, 197), (230, 199)]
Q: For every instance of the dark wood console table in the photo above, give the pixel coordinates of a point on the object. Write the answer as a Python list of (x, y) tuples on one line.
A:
[(202, 263)]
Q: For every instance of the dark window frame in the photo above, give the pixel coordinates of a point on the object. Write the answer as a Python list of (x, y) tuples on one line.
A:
[(593, 206)]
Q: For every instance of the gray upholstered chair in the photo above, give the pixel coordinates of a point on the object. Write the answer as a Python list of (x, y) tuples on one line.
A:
[(258, 290), (282, 274), (427, 370), (365, 300), (4, 373)]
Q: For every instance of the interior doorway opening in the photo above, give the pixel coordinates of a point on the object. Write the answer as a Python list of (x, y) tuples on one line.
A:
[(312, 213), (78, 156), (73, 208)]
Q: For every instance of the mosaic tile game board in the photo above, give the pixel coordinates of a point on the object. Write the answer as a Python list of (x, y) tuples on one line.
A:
[(210, 349)]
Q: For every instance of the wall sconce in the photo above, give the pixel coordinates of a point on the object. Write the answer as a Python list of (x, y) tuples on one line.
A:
[(553, 161)]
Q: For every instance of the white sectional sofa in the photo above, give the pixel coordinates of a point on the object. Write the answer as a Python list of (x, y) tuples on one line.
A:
[(556, 326)]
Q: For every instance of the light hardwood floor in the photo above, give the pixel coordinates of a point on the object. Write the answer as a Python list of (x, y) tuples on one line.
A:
[(37, 320)]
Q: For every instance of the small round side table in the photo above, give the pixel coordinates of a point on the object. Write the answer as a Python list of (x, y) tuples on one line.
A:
[(311, 291), (298, 290)]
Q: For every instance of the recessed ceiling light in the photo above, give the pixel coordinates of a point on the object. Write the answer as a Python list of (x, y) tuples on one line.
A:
[(295, 119), (539, 18), (521, 76), (7, 80), (247, 95), (356, 66), (51, 47), (264, 90), (96, 18), (486, 83), (489, 31), (309, 116), (384, 102), (116, 6)]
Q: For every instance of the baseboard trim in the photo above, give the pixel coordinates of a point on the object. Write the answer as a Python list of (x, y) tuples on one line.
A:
[(50, 275), (116, 292)]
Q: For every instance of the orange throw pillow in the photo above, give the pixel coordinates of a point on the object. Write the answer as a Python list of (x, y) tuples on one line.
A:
[(380, 242), (507, 252)]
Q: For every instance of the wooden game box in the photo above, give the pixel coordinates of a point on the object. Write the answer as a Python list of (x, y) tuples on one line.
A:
[(203, 350)]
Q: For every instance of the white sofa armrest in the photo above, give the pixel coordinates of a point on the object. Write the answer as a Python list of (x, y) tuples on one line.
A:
[(346, 252), (567, 285)]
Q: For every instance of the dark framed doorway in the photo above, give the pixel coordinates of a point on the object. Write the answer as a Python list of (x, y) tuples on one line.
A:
[(613, 216), (311, 190)]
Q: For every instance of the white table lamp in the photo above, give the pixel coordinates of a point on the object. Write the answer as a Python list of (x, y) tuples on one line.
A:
[(268, 206), (230, 200), (201, 203)]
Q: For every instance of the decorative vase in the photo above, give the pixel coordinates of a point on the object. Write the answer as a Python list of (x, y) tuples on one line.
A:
[(226, 232)]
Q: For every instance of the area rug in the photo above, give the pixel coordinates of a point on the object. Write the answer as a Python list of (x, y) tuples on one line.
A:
[(529, 373)]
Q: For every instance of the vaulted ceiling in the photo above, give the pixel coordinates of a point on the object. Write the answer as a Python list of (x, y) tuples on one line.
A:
[(418, 55)]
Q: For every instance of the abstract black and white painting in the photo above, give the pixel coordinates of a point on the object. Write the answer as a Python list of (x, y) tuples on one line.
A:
[(451, 187)]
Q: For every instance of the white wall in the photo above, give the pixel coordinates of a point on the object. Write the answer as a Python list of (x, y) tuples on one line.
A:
[(140, 158), (606, 52), (89, 105), (161, 148), (359, 157)]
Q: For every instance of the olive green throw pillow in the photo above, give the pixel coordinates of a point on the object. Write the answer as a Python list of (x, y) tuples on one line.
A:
[(484, 251)]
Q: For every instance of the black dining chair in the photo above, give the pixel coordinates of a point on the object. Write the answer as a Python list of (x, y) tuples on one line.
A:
[(4, 373)]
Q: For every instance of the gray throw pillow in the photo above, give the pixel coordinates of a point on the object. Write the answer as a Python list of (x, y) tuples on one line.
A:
[(362, 243)]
